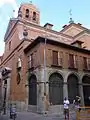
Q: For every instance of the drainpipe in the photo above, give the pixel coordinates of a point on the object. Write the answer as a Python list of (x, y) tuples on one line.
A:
[(45, 66)]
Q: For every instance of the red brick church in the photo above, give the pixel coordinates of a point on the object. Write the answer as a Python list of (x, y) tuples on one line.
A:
[(45, 61)]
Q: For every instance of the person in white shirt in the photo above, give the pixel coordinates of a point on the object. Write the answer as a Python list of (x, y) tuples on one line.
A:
[(66, 108)]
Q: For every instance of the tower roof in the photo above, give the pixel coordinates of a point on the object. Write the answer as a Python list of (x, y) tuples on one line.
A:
[(30, 5)]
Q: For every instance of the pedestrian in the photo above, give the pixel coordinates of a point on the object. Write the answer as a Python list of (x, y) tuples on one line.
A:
[(13, 111), (66, 108), (76, 103), (46, 103)]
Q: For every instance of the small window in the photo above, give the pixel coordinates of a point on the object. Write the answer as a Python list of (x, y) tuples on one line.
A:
[(27, 13), (9, 45), (5, 82), (19, 63), (34, 16), (27, 10)]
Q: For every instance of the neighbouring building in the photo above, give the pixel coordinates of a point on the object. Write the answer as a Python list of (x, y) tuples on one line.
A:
[(44, 61), (1, 90)]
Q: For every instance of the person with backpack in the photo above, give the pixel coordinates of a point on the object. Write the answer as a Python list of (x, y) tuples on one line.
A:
[(76, 103)]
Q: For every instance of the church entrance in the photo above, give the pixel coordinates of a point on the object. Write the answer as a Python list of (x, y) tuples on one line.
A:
[(86, 90), (73, 88), (56, 89), (32, 90)]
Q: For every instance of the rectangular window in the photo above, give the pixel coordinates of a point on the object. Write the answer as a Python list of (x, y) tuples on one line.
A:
[(88, 63), (30, 61), (9, 45), (55, 57), (60, 57), (34, 58), (85, 63), (73, 62)]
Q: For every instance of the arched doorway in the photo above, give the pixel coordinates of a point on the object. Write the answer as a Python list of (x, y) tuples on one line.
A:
[(73, 87), (86, 89), (56, 89), (32, 90)]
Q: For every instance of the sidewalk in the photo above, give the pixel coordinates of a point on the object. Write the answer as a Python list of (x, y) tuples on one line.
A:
[(35, 116)]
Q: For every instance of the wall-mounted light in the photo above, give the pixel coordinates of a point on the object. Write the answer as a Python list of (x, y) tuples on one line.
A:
[(19, 65)]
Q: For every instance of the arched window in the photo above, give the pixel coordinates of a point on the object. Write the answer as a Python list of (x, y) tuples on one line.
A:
[(34, 16), (73, 87), (27, 13), (32, 100), (86, 89), (56, 89), (19, 65)]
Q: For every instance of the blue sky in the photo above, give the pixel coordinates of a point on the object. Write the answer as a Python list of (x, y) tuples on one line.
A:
[(52, 11)]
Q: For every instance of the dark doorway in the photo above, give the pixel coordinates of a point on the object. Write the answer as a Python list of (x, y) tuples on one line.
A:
[(32, 90), (56, 89), (86, 90), (73, 88)]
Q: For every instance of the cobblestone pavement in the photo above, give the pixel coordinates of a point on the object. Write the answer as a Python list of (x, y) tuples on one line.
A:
[(35, 116)]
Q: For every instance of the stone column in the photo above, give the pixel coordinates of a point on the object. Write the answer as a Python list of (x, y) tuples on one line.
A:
[(40, 92), (41, 89), (27, 90), (65, 90), (81, 88), (81, 93)]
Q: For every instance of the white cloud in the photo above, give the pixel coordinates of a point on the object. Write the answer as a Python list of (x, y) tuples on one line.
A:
[(13, 3), (2, 2)]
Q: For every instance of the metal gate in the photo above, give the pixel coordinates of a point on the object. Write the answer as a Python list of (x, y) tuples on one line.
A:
[(83, 114)]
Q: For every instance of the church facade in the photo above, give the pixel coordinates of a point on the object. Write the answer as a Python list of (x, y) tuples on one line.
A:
[(45, 62)]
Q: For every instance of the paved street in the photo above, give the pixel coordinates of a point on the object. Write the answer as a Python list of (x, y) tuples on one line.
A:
[(34, 116)]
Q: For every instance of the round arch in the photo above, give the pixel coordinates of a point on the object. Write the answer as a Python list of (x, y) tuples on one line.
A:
[(73, 86), (56, 89), (70, 73), (32, 100), (56, 71), (86, 89)]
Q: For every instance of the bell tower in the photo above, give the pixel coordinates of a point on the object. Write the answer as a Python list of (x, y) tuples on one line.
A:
[(29, 12)]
